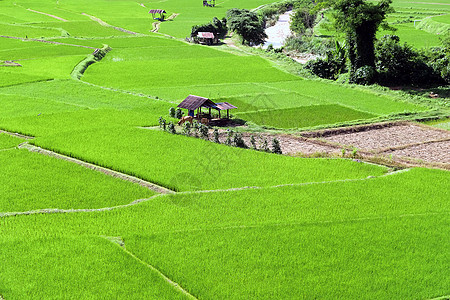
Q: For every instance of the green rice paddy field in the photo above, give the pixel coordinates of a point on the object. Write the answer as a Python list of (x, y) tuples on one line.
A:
[(238, 224)]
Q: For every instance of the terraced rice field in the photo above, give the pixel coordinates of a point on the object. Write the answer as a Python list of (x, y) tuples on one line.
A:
[(97, 202)]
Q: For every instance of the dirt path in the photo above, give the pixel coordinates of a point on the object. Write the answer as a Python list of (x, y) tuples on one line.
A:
[(49, 15), (103, 23), (143, 183), (44, 41)]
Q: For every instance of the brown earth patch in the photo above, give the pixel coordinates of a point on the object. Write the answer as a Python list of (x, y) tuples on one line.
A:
[(378, 139)]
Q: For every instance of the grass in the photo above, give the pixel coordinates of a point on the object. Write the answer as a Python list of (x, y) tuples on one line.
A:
[(444, 124), (371, 238), (76, 267), (8, 141), (32, 181), (192, 163), (304, 116), (354, 237)]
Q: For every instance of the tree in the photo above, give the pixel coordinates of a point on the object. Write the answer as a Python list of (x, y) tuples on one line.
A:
[(216, 26), (302, 20), (360, 20), (247, 24)]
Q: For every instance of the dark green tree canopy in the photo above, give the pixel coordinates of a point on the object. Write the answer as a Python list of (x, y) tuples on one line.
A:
[(247, 24), (360, 20)]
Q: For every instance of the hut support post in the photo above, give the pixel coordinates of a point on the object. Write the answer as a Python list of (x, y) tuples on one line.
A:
[(228, 113)]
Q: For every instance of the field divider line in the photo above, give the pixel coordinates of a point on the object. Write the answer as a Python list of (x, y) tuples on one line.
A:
[(106, 171), (154, 269), (15, 134), (44, 41), (80, 210), (48, 15), (127, 92), (138, 201), (402, 147), (306, 223), (103, 23)]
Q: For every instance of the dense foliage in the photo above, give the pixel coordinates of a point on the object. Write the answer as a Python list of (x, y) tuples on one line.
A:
[(247, 24), (216, 26), (360, 20)]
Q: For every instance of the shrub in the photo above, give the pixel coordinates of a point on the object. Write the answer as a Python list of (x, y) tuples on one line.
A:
[(364, 75), (162, 123), (238, 141), (204, 133), (264, 146), (399, 64), (171, 128), (253, 142), (216, 136), (276, 146), (187, 129), (303, 19), (172, 112), (179, 113), (330, 67), (228, 141)]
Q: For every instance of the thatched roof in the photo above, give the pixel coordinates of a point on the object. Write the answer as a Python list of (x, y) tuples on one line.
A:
[(193, 102), (157, 11), (225, 105)]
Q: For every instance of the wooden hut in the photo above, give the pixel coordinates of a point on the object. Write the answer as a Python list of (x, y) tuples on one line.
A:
[(208, 38), (193, 103), (225, 106), (161, 13)]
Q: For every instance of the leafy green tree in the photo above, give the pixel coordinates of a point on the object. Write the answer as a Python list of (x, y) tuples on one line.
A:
[(360, 20), (302, 20), (216, 26), (247, 24)]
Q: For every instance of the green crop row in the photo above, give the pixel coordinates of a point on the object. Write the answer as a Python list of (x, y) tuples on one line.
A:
[(8, 141), (305, 116), (185, 163), (31, 181), (371, 239)]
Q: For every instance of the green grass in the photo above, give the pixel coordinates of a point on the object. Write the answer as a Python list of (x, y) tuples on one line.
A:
[(186, 163), (306, 116), (32, 181), (76, 267), (444, 124), (370, 239), (25, 31), (8, 141), (9, 77), (351, 237)]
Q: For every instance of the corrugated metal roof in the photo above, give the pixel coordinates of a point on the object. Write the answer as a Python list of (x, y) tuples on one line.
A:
[(157, 11), (193, 102), (225, 105), (207, 35)]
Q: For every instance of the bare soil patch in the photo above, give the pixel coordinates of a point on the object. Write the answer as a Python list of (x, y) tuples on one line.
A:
[(392, 143), (389, 137), (290, 144), (428, 152)]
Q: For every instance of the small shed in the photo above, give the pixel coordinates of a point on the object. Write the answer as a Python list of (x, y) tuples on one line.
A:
[(192, 103), (225, 106), (208, 38), (209, 3), (161, 13)]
